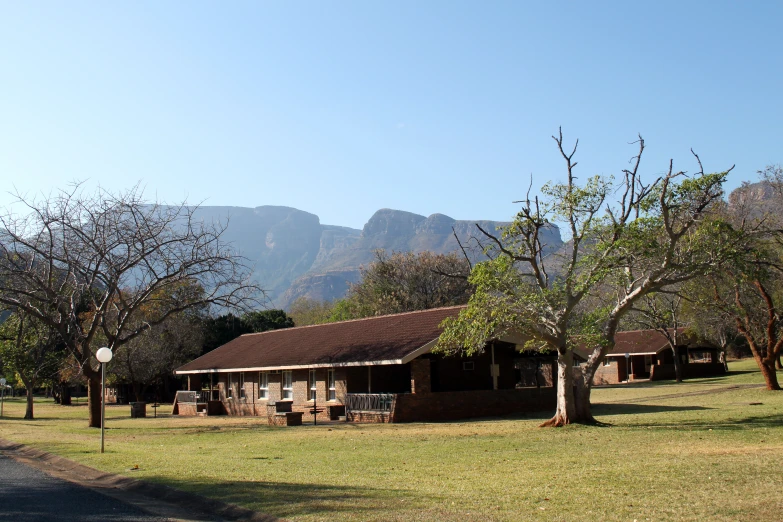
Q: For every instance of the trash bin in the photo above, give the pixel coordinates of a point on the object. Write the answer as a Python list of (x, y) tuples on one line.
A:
[(138, 410)]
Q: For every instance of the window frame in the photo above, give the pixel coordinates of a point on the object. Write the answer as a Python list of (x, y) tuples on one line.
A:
[(312, 394), (263, 385), (287, 393), (331, 385), (242, 394), (229, 386)]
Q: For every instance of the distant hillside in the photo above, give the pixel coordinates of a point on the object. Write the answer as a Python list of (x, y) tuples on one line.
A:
[(294, 255)]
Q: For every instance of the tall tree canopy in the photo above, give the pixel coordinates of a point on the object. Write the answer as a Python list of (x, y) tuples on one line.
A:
[(219, 330), (627, 236), (405, 282), (748, 293)]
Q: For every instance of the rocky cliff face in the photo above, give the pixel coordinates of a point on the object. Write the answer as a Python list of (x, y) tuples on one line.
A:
[(294, 255), (281, 243), (754, 198)]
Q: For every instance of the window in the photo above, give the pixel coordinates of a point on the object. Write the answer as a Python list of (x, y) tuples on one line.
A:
[(331, 386), (288, 385), (263, 385), (607, 362), (241, 385), (577, 363), (468, 366), (313, 388), (229, 387)]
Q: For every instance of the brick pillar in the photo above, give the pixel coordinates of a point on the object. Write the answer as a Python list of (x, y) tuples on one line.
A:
[(421, 381)]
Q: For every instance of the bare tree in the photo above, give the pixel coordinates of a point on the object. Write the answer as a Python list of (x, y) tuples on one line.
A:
[(86, 263)]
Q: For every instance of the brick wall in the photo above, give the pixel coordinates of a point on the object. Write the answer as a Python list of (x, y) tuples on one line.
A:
[(608, 374), (410, 407), (252, 404)]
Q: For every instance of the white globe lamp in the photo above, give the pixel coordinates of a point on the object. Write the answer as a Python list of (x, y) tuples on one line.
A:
[(104, 355)]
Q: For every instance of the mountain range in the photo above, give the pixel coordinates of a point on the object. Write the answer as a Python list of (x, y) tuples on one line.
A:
[(294, 255)]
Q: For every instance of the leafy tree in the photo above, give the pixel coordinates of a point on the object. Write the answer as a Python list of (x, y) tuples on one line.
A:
[(405, 282), (32, 350), (219, 330), (634, 238), (84, 264), (263, 320), (305, 311), (748, 293), (152, 356)]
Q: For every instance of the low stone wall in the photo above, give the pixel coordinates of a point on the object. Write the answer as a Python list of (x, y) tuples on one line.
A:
[(439, 406), (186, 408), (374, 417), (290, 418), (663, 372)]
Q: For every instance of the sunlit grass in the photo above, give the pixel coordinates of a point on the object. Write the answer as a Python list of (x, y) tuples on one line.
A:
[(705, 456)]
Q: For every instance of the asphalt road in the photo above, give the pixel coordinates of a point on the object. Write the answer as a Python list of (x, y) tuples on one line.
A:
[(27, 494)]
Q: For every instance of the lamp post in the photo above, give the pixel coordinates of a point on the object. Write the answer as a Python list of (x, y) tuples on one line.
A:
[(627, 367), (103, 355), (2, 395)]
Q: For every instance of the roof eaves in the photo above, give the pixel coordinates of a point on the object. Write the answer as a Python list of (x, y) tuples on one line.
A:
[(291, 367)]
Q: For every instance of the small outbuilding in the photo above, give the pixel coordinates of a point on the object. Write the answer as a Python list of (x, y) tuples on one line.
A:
[(378, 369)]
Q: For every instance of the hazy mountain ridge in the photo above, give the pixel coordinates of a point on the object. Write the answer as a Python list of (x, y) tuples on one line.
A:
[(294, 255)]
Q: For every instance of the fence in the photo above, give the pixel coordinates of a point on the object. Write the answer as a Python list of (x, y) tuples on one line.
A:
[(369, 402)]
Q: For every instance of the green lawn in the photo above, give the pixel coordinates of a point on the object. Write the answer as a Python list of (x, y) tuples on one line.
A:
[(708, 455)]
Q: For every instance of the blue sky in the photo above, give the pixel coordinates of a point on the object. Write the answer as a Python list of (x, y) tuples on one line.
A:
[(342, 108)]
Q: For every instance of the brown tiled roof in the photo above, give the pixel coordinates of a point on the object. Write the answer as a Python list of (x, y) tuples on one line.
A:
[(361, 341), (644, 342)]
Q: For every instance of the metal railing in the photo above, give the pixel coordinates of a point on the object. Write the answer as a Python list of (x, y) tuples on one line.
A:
[(381, 402), (204, 395)]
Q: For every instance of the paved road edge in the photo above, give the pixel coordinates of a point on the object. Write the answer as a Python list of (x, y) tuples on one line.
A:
[(153, 498)]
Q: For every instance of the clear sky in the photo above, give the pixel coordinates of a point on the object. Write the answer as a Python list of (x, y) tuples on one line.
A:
[(342, 108)]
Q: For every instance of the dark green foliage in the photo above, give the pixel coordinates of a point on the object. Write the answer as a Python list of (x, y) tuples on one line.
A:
[(224, 328)]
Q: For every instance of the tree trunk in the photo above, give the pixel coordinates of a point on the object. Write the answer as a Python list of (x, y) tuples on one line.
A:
[(94, 400), (677, 365), (65, 394), (770, 375), (778, 364), (138, 392), (566, 409), (584, 386), (28, 384), (584, 414), (28, 412)]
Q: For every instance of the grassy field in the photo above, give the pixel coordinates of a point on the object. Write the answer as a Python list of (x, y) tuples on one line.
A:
[(694, 451)]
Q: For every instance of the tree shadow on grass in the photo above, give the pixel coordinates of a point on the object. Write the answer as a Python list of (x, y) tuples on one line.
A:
[(295, 499), (734, 424), (635, 409)]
